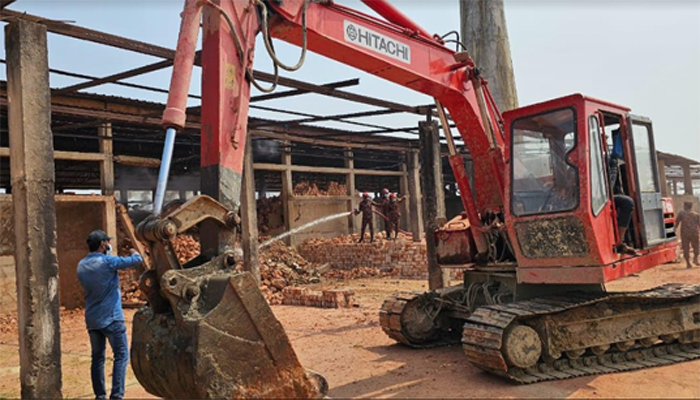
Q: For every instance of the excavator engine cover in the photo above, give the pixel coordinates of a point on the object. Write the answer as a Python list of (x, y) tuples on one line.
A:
[(221, 340)]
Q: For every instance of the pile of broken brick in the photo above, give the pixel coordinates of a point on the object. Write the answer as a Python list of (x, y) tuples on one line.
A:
[(311, 189), (281, 266)]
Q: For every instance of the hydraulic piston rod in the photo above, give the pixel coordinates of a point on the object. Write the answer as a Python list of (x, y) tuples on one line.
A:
[(164, 170)]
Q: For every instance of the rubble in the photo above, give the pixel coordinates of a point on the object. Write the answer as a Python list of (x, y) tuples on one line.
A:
[(269, 211), (357, 273), (311, 189), (281, 267), (131, 295), (186, 247), (8, 323), (336, 298), (402, 258)]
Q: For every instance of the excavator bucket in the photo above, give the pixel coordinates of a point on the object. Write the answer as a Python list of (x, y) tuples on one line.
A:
[(221, 341)]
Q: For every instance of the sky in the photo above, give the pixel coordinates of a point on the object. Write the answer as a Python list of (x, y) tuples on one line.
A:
[(642, 54)]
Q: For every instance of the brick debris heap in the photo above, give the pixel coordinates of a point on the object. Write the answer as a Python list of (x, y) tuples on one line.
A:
[(336, 298), (311, 189), (402, 258)]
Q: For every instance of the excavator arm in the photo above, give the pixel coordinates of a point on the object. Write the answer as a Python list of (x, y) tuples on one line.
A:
[(207, 331), (395, 49)]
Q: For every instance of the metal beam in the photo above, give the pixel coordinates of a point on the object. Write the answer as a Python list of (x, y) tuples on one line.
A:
[(91, 35), (5, 3), (107, 115), (169, 54), (338, 117), (330, 143), (125, 84), (115, 77), (309, 116), (324, 170), (296, 92)]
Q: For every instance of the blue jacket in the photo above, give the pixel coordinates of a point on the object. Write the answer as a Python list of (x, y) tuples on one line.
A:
[(98, 274)]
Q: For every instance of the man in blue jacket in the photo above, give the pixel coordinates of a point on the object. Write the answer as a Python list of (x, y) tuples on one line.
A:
[(99, 275)]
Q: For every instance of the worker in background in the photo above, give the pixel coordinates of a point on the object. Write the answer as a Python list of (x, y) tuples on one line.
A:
[(394, 214), (99, 277), (384, 210), (689, 221), (624, 205), (365, 207)]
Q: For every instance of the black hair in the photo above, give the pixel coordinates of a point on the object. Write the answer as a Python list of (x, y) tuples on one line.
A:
[(93, 245)]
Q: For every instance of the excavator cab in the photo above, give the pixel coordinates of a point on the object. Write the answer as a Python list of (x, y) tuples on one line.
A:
[(559, 206)]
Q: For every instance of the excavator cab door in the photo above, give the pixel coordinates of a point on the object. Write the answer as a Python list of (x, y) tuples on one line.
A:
[(648, 196)]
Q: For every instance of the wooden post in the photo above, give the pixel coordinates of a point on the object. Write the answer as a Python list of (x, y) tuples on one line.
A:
[(33, 179), (485, 34), (687, 180), (662, 177), (350, 181), (288, 197), (415, 204), (123, 196), (249, 217), (107, 165), (433, 198), (403, 191)]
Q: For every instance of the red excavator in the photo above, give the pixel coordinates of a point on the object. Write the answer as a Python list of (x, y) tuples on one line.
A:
[(538, 237)]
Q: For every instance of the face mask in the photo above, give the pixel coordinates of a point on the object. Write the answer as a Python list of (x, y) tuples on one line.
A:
[(108, 250)]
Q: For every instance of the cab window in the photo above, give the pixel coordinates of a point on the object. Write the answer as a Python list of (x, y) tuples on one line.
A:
[(544, 181), (599, 191)]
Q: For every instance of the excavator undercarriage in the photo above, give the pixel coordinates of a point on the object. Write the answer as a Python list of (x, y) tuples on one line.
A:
[(553, 337)]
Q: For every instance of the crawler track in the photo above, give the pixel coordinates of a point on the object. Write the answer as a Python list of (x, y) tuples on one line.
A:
[(397, 315), (485, 340)]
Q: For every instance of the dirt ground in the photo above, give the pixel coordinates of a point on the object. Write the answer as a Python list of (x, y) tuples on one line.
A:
[(349, 348)]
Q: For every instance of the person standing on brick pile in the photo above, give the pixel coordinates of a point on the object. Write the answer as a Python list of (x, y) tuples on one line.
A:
[(689, 221), (99, 277), (365, 207), (384, 209), (394, 214)]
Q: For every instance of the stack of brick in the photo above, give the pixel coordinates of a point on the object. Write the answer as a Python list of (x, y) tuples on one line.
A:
[(402, 258), (311, 189), (297, 296)]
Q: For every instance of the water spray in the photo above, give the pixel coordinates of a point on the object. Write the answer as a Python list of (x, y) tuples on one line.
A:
[(304, 227)]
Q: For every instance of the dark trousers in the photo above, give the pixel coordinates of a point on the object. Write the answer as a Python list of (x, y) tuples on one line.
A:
[(687, 241), (624, 205), (115, 333), (365, 223)]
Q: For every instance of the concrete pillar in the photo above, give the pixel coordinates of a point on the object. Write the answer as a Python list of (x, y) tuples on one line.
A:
[(484, 33), (33, 179), (675, 187), (182, 194), (350, 182), (415, 205), (662, 177), (433, 198), (107, 165), (287, 195), (687, 180), (249, 217)]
